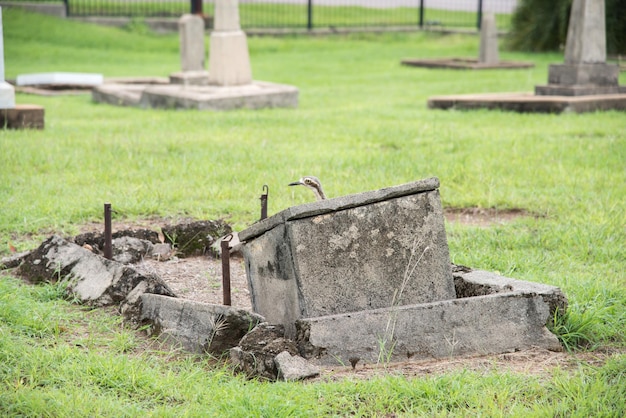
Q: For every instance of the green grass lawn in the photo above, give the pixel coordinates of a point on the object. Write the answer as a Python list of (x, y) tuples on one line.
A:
[(362, 124)]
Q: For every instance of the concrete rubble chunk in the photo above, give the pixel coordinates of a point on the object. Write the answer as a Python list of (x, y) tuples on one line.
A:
[(255, 355), (292, 368), (13, 260), (130, 250), (96, 239), (197, 327), (195, 237), (92, 279)]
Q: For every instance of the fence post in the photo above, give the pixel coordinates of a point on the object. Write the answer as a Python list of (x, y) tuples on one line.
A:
[(67, 7), (309, 14), (479, 14), (196, 7), (421, 23)]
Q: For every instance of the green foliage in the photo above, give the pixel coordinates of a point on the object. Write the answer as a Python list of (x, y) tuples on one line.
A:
[(537, 25)]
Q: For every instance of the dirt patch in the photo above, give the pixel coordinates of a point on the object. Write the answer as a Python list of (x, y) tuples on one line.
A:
[(533, 362), (484, 217), (200, 278)]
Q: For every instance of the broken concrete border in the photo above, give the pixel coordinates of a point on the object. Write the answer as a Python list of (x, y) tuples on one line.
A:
[(511, 315), (92, 279), (197, 327)]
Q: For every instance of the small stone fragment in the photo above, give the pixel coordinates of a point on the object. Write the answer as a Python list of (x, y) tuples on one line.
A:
[(292, 368)]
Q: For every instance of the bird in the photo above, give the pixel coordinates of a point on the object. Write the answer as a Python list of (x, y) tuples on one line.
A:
[(312, 183)]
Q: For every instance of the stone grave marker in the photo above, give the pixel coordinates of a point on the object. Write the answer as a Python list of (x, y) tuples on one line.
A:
[(585, 71), (192, 52), (229, 61), (360, 252), (367, 277), (228, 85), (488, 51), (488, 57)]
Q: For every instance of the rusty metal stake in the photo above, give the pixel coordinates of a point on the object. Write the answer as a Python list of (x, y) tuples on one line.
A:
[(108, 240), (226, 268), (264, 201)]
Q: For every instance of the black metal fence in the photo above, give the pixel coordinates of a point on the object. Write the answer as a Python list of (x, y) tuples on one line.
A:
[(312, 14)]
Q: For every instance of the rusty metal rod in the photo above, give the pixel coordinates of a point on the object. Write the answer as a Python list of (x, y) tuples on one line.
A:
[(226, 268), (108, 240), (264, 201)]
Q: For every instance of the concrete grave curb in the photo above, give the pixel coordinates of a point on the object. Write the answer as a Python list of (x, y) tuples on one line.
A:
[(92, 279), (197, 327), (507, 315)]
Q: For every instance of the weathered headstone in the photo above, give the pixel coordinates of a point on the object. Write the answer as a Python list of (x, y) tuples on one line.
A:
[(585, 71), (366, 251), (7, 91), (488, 56), (191, 33), (488, 52), (229, 61)]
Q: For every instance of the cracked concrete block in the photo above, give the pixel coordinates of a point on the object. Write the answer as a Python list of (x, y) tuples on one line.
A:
[(495, 323), (365, 251), (92, 279), (198, 327), (480, 282), (292, 368)]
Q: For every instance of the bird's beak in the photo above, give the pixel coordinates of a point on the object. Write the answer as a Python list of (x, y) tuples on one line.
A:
[(295, 183)]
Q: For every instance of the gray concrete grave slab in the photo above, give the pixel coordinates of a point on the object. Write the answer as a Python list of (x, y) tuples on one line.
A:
[(251, 96), (367, 278), (528, 102), (60, 79), (360, 252)]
